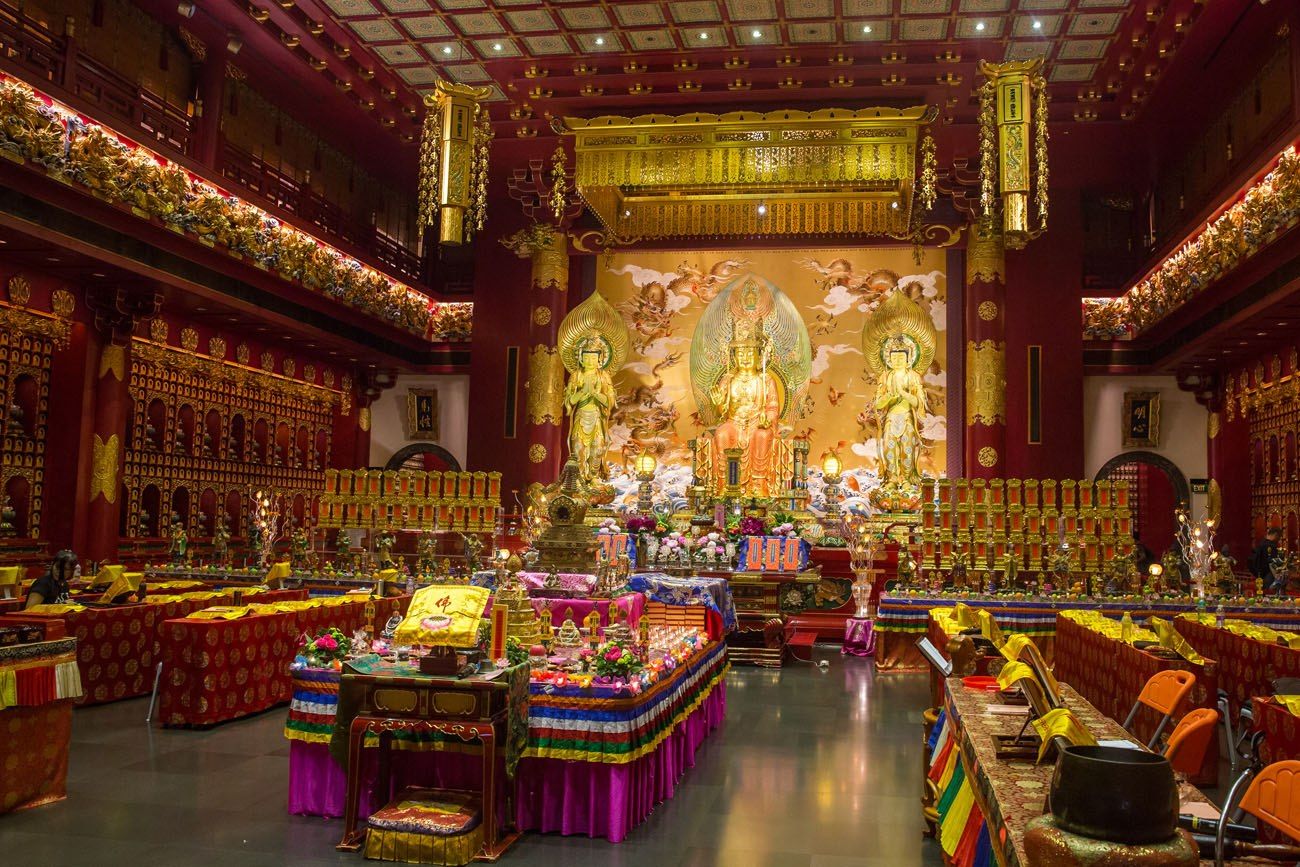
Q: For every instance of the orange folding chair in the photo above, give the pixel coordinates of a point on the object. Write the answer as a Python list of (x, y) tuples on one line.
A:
[(1273, 797), (1163, 693), (1189, 740)]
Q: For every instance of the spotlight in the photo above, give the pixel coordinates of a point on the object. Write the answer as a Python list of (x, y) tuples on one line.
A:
[(757, 34), (979, 25), (600, 40), (762, 209), (704, 35), (446, 49), (866, 28), (186, 9), (234, 43), (1038, 25), (496, 46)]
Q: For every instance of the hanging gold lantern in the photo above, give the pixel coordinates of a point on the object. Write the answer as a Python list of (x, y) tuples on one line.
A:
[(1010, 118), (453, 162)]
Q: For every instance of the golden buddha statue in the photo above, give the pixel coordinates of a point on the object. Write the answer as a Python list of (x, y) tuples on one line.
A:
[(898, 343), (747, 399), (750, 360), (593, 346), (900, 401)]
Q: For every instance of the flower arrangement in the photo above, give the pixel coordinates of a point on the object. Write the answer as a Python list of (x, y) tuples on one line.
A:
[(516, 653), (642, 524), (785, 530), (613, 659), (674, 542), (711, 546), (608, 527), (326, 649), (751, 526)]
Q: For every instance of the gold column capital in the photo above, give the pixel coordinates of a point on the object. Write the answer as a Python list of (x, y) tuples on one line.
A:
[(112, 359), (985, 253)]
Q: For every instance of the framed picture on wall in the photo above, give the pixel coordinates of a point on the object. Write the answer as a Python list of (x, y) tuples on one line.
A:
[(1141, 419), (422, 414)]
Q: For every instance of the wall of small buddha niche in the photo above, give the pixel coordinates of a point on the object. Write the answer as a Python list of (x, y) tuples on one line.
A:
[(215, 413), (1264, 399), (390, 423)]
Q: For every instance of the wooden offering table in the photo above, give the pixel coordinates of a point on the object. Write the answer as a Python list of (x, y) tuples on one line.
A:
[(382, 698)]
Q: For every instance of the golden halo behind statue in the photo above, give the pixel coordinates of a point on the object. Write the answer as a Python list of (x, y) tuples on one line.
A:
[(899, 315), (593, 318)]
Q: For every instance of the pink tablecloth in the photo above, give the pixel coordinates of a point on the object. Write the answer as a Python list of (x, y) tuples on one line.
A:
[(551, 795), (631, 604), (859, 637)]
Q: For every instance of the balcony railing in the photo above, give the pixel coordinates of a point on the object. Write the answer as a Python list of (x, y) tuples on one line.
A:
[(44, 56)]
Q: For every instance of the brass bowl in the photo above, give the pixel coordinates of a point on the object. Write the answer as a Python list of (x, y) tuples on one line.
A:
[(1115, 794)]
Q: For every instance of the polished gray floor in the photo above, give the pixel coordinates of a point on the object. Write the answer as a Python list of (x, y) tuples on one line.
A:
[(813, 768)]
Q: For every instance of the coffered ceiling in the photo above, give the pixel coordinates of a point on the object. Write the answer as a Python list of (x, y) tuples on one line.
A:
[(543, 57)]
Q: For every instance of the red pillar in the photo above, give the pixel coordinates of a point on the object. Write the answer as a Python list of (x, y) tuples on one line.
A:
[(112, 415), (986, 352), (211, 88), (116, 313), (1228, 453), (547, 247)]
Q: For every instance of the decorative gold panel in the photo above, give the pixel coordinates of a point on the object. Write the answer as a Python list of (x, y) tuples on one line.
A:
[(103, 478), (828, 171), (400, 700), (986, 382), (545, 386), (454, 703)]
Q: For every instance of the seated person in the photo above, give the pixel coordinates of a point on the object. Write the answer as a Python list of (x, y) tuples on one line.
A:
[(52, 587)]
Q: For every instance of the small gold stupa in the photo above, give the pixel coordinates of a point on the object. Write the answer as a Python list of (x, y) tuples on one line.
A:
[(568, 545)]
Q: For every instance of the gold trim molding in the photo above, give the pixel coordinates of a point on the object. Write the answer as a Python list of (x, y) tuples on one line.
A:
[(34, 322), (240, 376)]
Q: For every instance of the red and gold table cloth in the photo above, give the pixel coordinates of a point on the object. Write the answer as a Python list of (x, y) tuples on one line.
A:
[(38, 683), (219, 670), (1110, 673), (118, 647), (1247, 666), (986, 803)]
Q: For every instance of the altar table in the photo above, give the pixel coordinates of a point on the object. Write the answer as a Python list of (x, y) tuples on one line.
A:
[(118, 646), (1247, 666), (985, 803), (1110, 674), (592, 766), (219, 670), (901, 619), (38, 683)]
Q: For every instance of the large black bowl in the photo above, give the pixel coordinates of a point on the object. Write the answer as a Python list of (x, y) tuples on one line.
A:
[(1110, 793)]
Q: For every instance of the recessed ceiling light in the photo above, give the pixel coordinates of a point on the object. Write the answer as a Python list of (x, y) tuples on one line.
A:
[(704, 35), (1243, 343), (866, 28), (1261, 333), (894, 205), (762, 209), (757, 34), (51, 258), (1038, 25), (600, 40), (496, 46), (979, 25), (446, 49)]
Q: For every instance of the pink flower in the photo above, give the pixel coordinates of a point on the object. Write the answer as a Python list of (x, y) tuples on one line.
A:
[(614, 654)]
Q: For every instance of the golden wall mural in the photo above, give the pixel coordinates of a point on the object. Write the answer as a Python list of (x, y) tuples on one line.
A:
[(662, 296)]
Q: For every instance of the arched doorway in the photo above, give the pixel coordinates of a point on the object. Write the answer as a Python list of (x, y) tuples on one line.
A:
[(1157, 489), (422, 456)]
